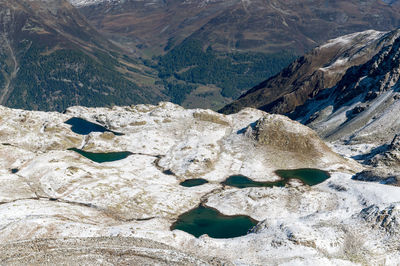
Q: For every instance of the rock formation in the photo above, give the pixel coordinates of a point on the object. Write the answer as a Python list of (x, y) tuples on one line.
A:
[(58, 205)]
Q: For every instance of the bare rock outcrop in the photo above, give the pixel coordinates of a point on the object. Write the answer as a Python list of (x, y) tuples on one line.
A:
[(64, 206), (387, 218)]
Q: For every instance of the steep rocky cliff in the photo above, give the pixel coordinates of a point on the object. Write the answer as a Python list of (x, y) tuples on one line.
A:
[(346, 90), (322, 68)]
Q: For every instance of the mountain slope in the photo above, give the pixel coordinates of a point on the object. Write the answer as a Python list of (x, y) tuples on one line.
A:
[(52, 58), (363, 106), (347, 89), (322, 68), (256, 25), (210, 52)]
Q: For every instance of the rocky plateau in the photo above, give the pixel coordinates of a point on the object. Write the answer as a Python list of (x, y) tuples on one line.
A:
[(57, 205)]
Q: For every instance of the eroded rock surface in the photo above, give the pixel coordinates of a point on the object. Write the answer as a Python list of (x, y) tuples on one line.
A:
[(90, 251), (50, 192), (384, 166)]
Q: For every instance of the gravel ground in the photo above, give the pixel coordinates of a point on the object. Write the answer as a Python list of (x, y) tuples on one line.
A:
[(96, 251)]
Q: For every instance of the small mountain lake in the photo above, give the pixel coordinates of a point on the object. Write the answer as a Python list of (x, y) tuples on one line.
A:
[(83, 127), (193, 182), (14, 170), (204, 220), (102, 157), (308, 176), (241, 181)]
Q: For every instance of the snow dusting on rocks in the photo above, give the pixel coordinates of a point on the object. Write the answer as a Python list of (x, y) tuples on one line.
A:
[(50, 192)]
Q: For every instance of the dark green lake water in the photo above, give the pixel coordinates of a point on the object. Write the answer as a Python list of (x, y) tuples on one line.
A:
[(193, 182), (308, 176), (203, 220), (103, 157), (83, 127)]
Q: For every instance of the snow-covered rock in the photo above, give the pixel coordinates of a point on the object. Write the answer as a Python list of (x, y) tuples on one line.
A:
[(48, 191), (79, 3)]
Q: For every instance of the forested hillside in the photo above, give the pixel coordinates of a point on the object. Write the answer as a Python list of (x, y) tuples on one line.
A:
[(234, 73)]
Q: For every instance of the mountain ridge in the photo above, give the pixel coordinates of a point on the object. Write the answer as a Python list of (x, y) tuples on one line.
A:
[(350, 99), (52, 58), (309, 74), (257, 25), (242, 37)]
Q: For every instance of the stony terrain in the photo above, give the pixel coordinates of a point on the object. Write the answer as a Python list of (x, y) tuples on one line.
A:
[(360, 112), (347, 91), (99, 250), (317, 70), (58, 206), (362, 106)]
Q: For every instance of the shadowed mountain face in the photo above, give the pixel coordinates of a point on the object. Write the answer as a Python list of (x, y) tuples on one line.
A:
[(322, 68), (346, 89), (151, 25), (391, 2), (210, 52), (363, 105), (52, 58), (256, 25)]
